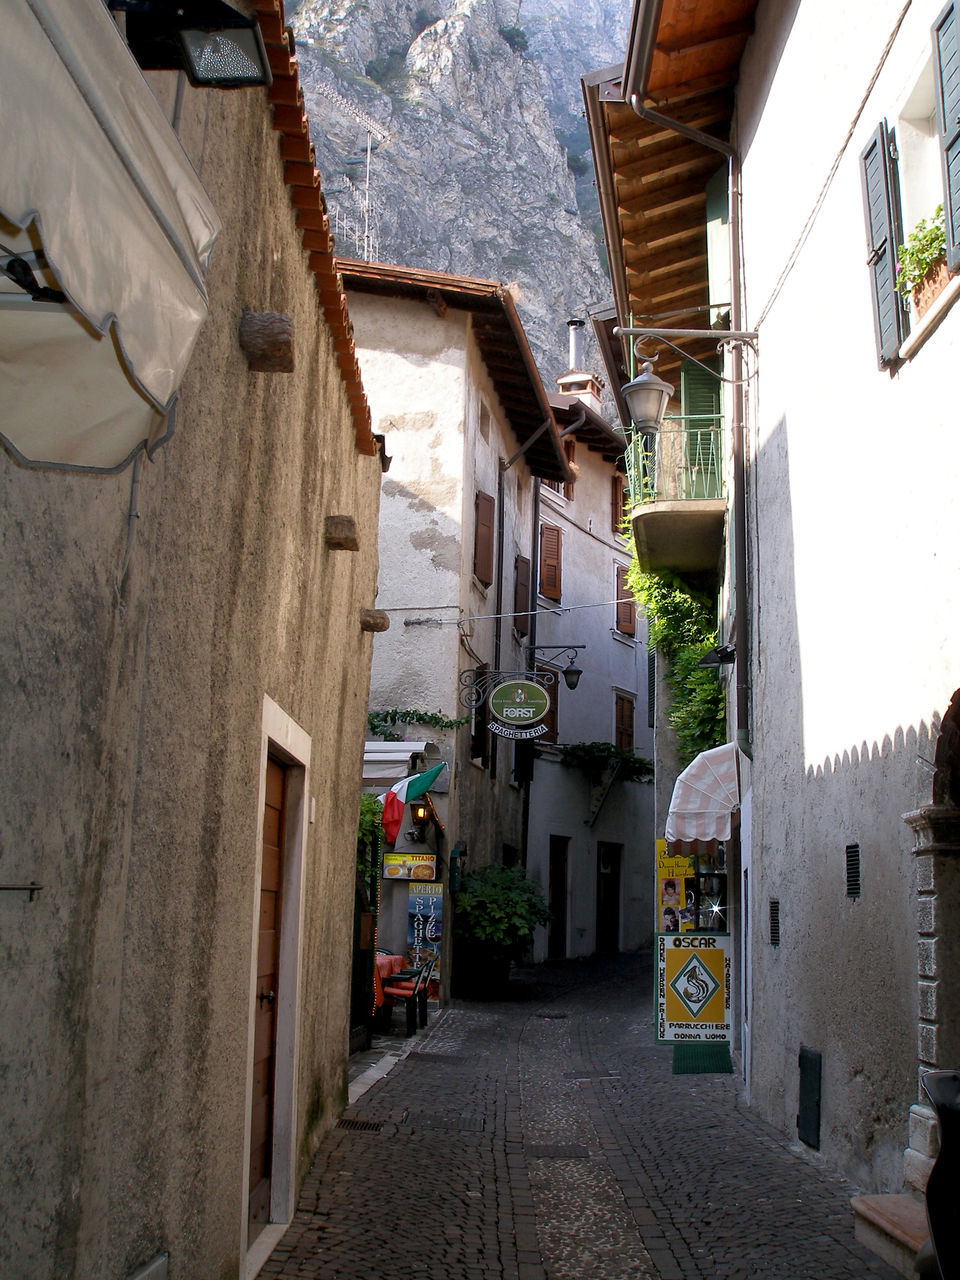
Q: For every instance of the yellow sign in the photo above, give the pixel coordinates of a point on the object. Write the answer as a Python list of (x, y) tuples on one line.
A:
[(409, 866), (693, 986), (675, 891)]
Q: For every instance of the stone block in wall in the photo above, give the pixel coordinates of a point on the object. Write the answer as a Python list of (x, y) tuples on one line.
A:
[(927, 957), (916, 1170), (925, 874), (928, 1043), (928, 1000), (927, 915), (924, 1131)]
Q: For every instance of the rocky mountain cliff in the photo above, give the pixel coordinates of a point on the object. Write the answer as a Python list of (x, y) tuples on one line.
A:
[(449, 136)]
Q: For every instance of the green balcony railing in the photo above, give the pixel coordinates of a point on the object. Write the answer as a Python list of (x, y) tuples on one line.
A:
[(676, 463)]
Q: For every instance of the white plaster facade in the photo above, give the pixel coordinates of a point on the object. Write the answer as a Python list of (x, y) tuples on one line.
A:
[(613, 847)]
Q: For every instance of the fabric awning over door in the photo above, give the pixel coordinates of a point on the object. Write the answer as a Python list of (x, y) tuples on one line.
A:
[(705, 796), (95, 182)]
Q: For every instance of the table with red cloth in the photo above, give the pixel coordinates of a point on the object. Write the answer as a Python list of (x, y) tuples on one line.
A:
[(386, 966)]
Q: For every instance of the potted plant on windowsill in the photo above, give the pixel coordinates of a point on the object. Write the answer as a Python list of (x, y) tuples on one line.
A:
[(921, 262)]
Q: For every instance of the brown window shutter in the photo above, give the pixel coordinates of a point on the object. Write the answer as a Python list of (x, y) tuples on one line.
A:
[(626, 608), (550, 561), (617, 503), (570, 449), (521, 596), (483, 539), (624, 723)]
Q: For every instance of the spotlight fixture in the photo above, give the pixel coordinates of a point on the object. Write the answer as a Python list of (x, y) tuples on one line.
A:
[(216, 46), (722, 656)]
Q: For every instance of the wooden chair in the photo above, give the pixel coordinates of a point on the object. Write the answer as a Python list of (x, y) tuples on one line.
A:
[(410, 986)]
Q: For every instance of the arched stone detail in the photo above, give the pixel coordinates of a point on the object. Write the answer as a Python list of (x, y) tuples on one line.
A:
[(936, 833)]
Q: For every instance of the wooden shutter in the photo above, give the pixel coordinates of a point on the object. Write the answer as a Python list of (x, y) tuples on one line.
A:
[(521, 596), (946, 61), (623, 730), (700, 408), (626, 608), (550, 561), (881, 206), (617, 503), (483, 539)]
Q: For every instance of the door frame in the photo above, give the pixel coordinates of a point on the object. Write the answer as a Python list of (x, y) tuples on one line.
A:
[(285, 740)]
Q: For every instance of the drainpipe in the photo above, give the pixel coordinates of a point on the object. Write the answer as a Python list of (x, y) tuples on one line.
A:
[(531, 662), (498, 607), (740, 627)]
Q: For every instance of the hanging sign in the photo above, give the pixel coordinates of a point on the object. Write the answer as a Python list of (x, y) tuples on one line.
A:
[(518, 708), (693, 987)]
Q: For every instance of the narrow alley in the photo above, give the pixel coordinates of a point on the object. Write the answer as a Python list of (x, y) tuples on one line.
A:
[(546, 1138)]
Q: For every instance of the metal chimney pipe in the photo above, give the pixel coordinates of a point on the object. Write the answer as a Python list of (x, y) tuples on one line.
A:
[(576, 343)]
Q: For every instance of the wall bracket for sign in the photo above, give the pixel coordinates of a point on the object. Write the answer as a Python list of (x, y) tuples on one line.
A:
[(478, 683)]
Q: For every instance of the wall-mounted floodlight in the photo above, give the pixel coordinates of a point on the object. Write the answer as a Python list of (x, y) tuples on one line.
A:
[(216, 46)]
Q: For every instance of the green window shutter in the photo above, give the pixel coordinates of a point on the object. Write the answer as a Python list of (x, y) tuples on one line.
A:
[(881, 206), (700, 409), (946, 61)]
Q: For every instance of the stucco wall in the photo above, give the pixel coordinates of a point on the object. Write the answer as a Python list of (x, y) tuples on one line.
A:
[(858, 590), (611, 663), (132, 760)]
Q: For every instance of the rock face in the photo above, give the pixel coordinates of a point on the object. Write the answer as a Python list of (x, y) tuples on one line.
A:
[(442, 132)]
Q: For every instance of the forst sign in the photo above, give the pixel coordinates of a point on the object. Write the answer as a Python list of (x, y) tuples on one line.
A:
[(518, 708)]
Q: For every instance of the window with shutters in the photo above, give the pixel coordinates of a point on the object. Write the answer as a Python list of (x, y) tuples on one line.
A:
[(521, 596), (700, 411), (551, 550), (623, 721), (626, 606), (618, 501), (881, 206), (483, 539), (946, 68)]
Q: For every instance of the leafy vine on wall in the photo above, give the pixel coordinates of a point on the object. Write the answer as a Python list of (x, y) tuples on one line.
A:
[(383, 723)]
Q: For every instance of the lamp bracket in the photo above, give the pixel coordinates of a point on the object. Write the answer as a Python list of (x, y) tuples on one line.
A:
[(725, 337)]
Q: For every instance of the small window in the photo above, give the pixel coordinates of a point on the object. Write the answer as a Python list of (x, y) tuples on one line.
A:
[(623, 722), (626, 606), (483, 539), (618, 502), (551, 547), (853, 870)]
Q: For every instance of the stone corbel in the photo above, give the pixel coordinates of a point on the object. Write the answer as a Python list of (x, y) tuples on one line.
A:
[(341, 533), (373, 620), (266, 339)]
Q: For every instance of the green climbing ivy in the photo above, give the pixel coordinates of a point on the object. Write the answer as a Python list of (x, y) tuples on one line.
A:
[(368, 836), (593, 758), (682, 628), (383, 723)]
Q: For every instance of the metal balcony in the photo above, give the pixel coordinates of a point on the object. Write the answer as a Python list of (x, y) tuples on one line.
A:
[(677, 497)]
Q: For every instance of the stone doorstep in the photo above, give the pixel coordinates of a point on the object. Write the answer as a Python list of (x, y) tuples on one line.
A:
[(894, 1227)]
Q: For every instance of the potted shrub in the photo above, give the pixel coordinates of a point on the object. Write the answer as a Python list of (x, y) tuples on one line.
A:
[(921, 262), (496, 911)]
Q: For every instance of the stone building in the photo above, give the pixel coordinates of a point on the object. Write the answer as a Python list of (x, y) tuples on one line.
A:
[(186, 668)]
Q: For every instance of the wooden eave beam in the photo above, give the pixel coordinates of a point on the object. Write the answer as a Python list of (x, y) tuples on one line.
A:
[(711, 39), (674, 196)]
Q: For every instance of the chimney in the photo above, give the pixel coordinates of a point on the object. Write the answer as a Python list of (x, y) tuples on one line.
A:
[(576, 382)]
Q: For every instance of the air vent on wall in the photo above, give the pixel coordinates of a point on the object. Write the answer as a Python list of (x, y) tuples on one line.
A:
[(853, 871), (774, 922)]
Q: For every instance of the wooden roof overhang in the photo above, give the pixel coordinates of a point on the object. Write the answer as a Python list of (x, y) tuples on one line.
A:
[(595, 432), (683, 61), (500, 339)]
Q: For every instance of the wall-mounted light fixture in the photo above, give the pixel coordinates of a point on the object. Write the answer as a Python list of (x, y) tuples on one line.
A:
[(571, 672), (723, 655), (420, 814), (647, 397), (216, 46)]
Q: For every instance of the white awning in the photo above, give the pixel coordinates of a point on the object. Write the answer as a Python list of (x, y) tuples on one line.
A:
[(705, 796), (100, 200), (388, 762)]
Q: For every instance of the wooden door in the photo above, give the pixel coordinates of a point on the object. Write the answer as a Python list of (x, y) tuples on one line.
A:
[(265, 1006)]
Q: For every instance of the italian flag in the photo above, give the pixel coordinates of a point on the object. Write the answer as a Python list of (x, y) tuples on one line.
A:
[(407, 789)]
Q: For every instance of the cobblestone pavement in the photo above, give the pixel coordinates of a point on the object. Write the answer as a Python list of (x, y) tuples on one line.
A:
[(545, 1138)]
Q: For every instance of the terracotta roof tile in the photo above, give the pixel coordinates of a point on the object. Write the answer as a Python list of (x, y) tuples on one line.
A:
[(290, 122)]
